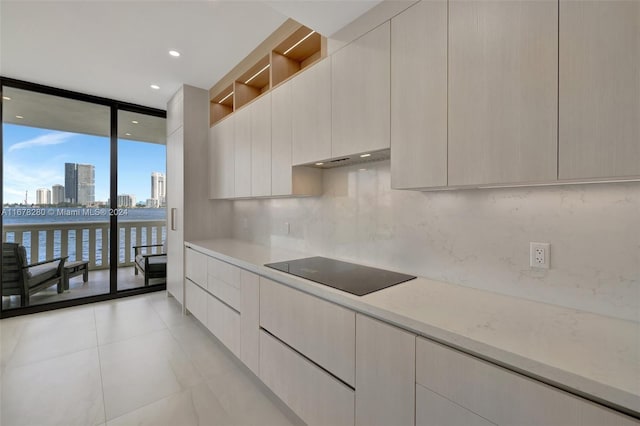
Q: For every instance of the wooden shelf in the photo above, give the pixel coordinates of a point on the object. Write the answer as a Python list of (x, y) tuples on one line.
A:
[(254, 82), (296, 52), (287, 51), (221, 105)]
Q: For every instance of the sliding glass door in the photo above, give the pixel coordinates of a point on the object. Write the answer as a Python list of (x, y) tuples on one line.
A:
[(142, 213), (82, 185)]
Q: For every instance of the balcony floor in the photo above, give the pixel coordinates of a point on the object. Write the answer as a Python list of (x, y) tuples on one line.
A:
[(98, 283)]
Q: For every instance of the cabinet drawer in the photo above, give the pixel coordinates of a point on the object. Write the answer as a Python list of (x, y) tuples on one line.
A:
[(196, 301), (195, 267), (434, 410), (224, 323), (315, 396), (223, 281), (501, 396), (250, 320), (320, 330)]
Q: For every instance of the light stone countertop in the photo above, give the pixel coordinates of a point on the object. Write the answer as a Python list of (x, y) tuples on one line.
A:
[(589, 354)]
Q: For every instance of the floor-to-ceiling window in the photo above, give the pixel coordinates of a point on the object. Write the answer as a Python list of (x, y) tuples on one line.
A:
[(78, 186), (142, 194)]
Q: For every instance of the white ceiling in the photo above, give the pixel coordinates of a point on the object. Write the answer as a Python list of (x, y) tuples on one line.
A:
[(117, 49)]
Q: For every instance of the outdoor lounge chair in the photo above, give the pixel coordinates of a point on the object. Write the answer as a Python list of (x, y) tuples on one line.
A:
[(150, 265), (21, 279)]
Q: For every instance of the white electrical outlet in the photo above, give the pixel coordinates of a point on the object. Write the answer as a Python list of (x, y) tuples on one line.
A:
[(539, 255), (286, 228)]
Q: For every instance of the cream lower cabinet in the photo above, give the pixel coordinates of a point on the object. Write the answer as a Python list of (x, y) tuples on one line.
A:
[(385, 374), (498, 396), (320, 330), (214, 296), (223, 281), (224, 323), (195, 267), (434, 410), (250, 321), (196, 300), (318, 398)]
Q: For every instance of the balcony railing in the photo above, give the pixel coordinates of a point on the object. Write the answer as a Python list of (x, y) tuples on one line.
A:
[(88, 241)]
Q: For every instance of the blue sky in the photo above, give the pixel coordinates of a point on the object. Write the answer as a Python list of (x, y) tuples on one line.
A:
[(34, 158)]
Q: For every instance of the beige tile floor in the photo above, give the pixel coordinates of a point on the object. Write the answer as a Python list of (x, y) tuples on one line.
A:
[(133, 361)]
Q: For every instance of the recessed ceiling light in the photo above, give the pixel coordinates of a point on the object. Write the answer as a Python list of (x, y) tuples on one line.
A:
[(19, 116), (127, 134), (365, 155), (155, 86), (174, 53), (134, 121), (6, 98), (319, 164), (362, 170)]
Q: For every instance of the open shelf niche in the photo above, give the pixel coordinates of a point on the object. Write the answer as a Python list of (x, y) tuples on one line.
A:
[(299, 50), (222, 105), (287, 51), (254, 82)]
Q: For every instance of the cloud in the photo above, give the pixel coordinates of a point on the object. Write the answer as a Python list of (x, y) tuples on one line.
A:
[(54, 138)]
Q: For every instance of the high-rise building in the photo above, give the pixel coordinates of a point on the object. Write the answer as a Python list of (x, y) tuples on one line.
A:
[(126, 200), (86, 184), (79, 183), (158, 187), (71, 183), (57, 194), (43, 196)]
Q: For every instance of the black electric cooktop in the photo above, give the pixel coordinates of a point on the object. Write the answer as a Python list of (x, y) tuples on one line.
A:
[(349, 277)]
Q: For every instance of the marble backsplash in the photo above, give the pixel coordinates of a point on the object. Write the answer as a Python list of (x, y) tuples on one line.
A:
[(476, 238)]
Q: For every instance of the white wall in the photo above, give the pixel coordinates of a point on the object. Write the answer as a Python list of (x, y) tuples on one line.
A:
[(476, 238)]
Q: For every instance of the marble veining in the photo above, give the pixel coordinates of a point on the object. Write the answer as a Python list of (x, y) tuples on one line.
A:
[(477, 238)]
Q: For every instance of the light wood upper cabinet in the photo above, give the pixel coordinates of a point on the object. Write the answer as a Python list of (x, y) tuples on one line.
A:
[(360, 99), (281, 140), (419, 96), (221, 154), (261, 146), (242, 153), (599, 89), (503, 91), (311, 103)]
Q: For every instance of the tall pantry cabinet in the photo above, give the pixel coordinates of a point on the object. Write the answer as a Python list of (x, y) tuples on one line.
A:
[(189, 213)]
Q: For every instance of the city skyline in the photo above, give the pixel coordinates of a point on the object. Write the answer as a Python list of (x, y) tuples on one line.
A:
[(34, 158)]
